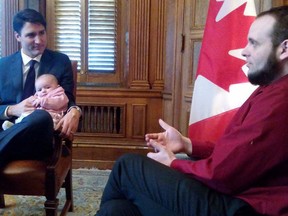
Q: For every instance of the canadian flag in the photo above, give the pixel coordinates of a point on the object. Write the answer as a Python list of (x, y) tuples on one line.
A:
[(221, 84)]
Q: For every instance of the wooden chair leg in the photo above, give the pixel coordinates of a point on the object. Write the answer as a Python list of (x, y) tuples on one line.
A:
[(51, 207), (2, 201), (69, 191)]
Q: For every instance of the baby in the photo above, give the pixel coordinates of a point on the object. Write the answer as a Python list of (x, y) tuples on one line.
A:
[(49, 96)]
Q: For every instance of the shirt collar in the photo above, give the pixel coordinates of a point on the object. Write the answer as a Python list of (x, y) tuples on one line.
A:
[(26, 59)]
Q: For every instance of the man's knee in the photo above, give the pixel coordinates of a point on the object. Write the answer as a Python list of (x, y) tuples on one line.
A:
[(42, 115), (118, 208), (129, 157), (39, 117), (130, 160)]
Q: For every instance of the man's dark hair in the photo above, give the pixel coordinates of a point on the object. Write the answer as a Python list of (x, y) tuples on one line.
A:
[(280, 29), (27, 15)]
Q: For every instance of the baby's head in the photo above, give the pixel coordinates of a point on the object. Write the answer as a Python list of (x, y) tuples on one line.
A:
[(46, 83)]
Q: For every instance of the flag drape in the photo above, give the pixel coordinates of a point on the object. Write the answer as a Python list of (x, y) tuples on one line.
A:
[(221, 84)]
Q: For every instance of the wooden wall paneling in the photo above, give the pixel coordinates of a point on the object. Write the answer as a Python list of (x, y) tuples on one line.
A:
[(199, 11), (138, 124), (122, 64), (172, 69), (140, 110), (39, 5), (50, 28), (124, 98), (141, 102), (170, 53), (139, 44), (279, 2), (188, 82), (100, 156), (10, 8), (195, 14), (172, 43), (262, 5), (177, 93), (157, 44)]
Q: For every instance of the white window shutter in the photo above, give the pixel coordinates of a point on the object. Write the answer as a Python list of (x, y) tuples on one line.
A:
[(100, 34)]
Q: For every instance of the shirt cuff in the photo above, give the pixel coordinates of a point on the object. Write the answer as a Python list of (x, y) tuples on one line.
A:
[(5, 112), (77, 108)]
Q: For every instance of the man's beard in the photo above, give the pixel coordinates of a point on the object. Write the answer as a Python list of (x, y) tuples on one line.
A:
[(267, 74)]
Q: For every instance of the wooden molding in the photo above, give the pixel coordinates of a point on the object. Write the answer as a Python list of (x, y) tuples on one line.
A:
[(10, 8), (276, 3), (157, 43), (139, 44)]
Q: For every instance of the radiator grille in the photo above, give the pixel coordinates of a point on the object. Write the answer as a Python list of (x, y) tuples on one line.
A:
[(108, 119)]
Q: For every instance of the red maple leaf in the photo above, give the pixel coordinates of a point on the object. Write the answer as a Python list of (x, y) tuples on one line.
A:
[(219, 38)]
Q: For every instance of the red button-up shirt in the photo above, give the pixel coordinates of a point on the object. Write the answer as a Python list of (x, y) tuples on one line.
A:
[(250, 161)]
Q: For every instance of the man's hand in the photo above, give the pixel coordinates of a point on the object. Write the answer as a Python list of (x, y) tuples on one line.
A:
[(36, 102), (171, 138), (69, 123), (24, 106), (162, 154)]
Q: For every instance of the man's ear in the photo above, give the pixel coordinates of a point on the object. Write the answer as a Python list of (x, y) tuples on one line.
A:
[(284, 49), (17, 36)]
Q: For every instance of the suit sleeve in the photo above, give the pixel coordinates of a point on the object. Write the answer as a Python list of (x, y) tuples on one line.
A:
[(11, 82)]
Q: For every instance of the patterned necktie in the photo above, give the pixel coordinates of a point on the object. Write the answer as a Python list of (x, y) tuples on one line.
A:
[(29, 87)]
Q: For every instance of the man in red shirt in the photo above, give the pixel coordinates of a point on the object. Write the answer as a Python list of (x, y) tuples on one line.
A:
[(243, 173)]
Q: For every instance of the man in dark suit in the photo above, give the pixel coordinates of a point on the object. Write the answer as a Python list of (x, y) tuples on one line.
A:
[(23, 140)]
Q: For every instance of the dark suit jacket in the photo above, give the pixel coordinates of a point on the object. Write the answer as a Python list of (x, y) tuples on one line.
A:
[(11, 76)]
